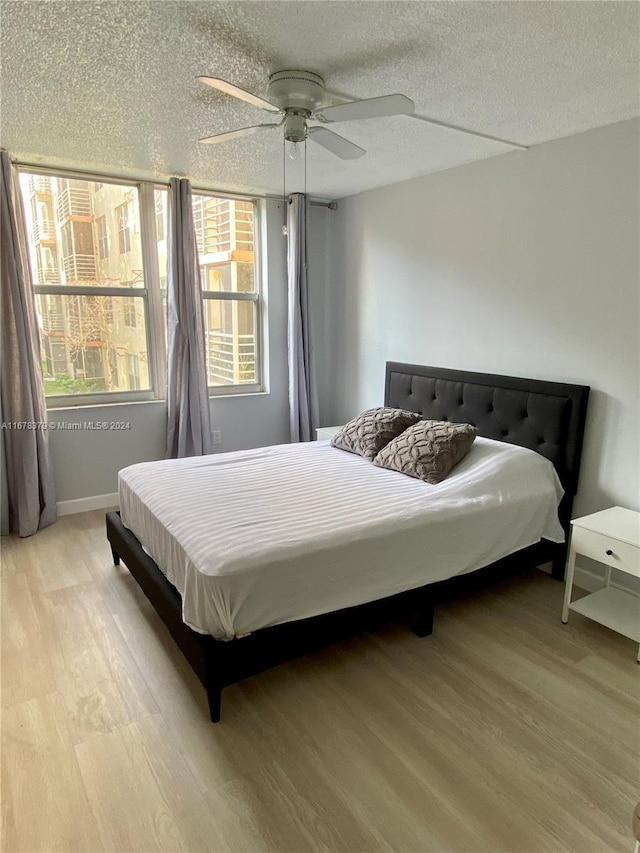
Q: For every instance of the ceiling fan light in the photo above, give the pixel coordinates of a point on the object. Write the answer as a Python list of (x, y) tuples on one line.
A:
[(294, 151), (295, 126)]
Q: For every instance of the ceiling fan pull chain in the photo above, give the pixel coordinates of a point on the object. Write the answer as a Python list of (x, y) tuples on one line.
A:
[(284, 187)]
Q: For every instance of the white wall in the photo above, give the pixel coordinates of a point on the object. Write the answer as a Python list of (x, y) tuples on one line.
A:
[(86, 462), (525, 264), (320, 232)]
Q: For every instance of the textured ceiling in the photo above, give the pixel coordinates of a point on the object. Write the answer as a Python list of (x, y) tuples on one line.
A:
[(111, 85)]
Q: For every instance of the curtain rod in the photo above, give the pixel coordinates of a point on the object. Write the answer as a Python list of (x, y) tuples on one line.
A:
[(108, 177)]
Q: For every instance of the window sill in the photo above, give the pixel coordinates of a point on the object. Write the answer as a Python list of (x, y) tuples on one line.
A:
[(73, 407), (217, 393), (66, 407), (84, 401), (239, 396)]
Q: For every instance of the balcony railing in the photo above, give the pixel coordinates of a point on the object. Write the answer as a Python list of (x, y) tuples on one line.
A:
[(39, 184), (244, 232), (79, 268), (46, 276), (74, 200), (231, 359), (215, 224), (211, 241), (52, 321), (44, 232), (222, 243), (244, 240)]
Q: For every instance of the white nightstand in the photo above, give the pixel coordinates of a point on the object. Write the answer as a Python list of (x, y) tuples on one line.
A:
[(611, 537), (326, 432)]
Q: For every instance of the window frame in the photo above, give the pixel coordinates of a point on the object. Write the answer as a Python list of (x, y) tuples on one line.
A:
[(153, 329), (151, 293), (256, 296)]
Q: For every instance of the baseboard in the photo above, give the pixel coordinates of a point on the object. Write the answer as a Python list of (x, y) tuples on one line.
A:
[(587, 580), (87, 504), (591, 581)]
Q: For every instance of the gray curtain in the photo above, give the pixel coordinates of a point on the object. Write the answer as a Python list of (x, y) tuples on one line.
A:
[(28, 497), (303, 400), (188, 424)]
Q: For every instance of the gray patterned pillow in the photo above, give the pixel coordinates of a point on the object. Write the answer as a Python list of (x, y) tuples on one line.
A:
[(367, 434), (428, 450)]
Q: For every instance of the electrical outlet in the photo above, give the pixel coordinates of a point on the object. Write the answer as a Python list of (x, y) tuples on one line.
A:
[(217, 436)]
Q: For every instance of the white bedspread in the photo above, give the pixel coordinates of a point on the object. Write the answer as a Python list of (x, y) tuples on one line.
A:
[(265, 536)]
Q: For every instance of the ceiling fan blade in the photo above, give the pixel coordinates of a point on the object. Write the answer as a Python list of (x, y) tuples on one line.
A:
[(241, 131), (237, 92), (386, 105), (336, 144)]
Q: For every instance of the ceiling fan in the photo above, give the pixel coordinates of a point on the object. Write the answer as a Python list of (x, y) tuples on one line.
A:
[(299, 98)]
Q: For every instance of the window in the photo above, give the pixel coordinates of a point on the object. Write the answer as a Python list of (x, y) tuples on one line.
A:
[(114, 368), (56, 356), (92, 307), (129, 312), (124, 229), (47, 268), (102, 315), (225, 234), (102, 238), (133, 371)]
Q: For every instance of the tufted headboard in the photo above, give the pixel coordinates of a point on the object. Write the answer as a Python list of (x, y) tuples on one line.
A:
[(547, 417)]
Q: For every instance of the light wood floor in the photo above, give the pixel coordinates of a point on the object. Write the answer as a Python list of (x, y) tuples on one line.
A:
[(504, 731)]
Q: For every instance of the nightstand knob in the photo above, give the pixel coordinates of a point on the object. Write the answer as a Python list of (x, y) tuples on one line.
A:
[(609, 553)]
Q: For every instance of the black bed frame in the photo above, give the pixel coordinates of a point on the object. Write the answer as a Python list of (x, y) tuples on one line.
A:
[(548, 417)]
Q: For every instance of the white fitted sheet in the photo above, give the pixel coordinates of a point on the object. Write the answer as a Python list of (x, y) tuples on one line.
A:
[(265, 536)]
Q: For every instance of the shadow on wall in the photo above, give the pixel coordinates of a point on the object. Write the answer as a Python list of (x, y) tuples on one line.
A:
[(339, 340), (604, 415)]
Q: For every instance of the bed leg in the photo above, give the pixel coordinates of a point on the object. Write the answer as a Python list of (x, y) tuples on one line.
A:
[(214, 681), (558, 564), (424, 620), (214, 695), (116, 557)]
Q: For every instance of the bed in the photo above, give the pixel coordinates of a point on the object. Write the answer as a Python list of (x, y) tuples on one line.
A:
[(247, 577)]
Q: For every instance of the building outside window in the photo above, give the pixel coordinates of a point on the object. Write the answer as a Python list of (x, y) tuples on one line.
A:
[(225, 235), (102, 238), (129, 308), (114, 368), (133, 371), (103, 318), (81, 291), (124, 228)]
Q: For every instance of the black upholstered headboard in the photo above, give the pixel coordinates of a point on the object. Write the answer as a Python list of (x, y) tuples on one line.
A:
[(547, 417)]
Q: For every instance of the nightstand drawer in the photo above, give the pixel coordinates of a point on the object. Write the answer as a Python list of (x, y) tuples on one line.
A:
[(596, 545)]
